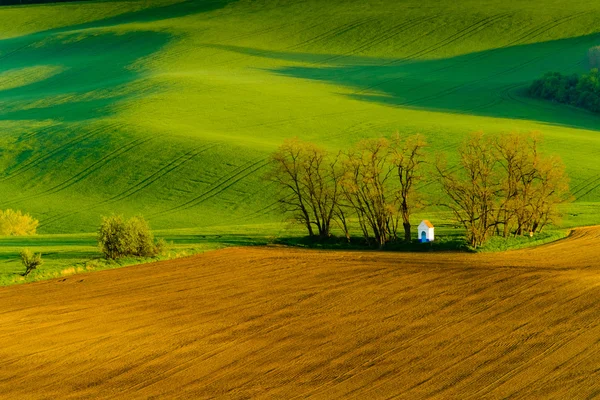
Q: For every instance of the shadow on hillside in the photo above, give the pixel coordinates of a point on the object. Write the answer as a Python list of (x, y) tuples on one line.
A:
[(94, 72), (490, 83), (447, 243), (182, 9), (97, 68), (177, 10)]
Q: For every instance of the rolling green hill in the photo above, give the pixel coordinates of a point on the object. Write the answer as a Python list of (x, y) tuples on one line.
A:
[(170, 108)]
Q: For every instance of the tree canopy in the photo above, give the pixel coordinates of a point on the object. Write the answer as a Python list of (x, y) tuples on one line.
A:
[(577, 90)]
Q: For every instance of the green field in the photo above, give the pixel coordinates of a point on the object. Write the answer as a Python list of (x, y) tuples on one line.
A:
[(171, 108)]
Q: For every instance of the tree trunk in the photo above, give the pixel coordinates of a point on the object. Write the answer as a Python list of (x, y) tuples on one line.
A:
[(407, 233), (310, 229)]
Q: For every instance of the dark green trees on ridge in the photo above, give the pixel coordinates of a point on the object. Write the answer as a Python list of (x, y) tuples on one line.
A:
[(577, 90)]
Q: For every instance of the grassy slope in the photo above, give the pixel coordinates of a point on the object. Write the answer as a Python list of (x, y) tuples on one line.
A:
[(171, 108)]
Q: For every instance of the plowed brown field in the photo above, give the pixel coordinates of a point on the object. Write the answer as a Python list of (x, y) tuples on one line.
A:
[(271, 322)]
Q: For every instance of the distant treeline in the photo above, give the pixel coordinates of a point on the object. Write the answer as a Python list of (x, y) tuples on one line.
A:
[(577, 90), (17, 2)]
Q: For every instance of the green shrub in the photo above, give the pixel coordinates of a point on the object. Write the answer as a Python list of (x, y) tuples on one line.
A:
[(161, 246), (30, 260), (118, 238), (15, 223), (111, 237), (140, 238)]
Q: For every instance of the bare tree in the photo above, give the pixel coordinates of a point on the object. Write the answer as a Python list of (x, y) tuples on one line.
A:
[(287, 171), (527, 177), (534, 185), (473, 189), (310, 180), (551, 188), (503, 182), (513, 152), (408, 158), (367, 186)]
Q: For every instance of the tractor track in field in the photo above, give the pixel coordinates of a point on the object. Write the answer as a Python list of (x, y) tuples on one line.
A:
[(162, 172), (516, 291), (393, 32), (545, 28), (174, 53), (28, 165), (141, 185), (330, 34), (81, 175), (506, 93), (594, 186), (291, 323), (528, 35), (504, 378), (389, 34), (333, 33), (351, 374), (454, 89), (536, 32), (470, 30), (585, 184), (453, 38), (219, 186)]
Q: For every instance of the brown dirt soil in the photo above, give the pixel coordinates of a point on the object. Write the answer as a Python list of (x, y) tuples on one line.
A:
[(281, 323)]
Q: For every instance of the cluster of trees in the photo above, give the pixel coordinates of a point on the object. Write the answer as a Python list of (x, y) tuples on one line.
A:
[(119, 238), (373, 182), (15, 223), (502, 185), (577, 90)]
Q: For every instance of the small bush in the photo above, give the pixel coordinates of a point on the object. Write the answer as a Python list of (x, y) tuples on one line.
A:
[(118, 238), (30, 260), (140, 238), (111, 237), (161, 246), (15, 223)]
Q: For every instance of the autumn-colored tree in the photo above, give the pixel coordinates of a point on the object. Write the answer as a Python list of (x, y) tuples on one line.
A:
[(533, 185), (15, 223), (551, 190), (30, 260), (515, 155), (368, 189), (472, 190), (310, 181), (408, 159), (503, 184)]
